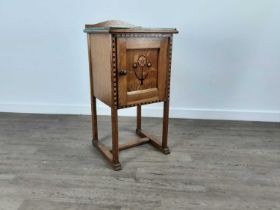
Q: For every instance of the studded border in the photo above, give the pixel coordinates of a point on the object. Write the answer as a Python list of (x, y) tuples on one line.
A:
[(114, 65), (114, 73), (169, 67), (153, 35)]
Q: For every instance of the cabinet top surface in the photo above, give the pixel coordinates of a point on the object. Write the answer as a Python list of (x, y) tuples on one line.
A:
[(117, 26)]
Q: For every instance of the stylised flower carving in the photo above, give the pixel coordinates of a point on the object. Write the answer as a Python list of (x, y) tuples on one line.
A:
[(142, 61), (144, 64)]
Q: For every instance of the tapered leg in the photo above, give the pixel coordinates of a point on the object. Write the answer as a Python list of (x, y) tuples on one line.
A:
[(94, 119), (138, 121), (165, 127), (115, 142)]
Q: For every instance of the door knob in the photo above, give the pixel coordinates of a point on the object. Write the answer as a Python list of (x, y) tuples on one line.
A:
[(123, 72)]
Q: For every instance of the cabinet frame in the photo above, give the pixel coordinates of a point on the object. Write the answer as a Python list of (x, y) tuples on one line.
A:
[(165, 43)]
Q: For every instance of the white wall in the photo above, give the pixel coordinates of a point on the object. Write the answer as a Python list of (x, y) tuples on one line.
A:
[(226, 58)]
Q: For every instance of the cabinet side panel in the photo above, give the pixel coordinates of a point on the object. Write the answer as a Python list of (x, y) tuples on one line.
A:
[(163, 72), (100, 46)]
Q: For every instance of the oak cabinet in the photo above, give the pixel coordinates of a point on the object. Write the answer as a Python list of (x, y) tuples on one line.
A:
[(129, 66)]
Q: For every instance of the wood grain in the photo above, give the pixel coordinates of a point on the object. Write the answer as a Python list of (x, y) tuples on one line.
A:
[(111, 23), (47, 162), (101, 66), (115, 139), (122, 80), (154, 87), (92, 97)]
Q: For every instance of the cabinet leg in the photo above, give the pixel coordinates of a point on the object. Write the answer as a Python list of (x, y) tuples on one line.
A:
[(115, 142), (165, 127), (94, 119), (138, 121)]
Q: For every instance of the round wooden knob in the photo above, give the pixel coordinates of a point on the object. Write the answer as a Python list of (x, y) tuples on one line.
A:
[(135, 65), (149, 64), (123, 72)]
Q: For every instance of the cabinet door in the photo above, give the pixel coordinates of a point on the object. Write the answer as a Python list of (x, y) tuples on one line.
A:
[(142, 66)]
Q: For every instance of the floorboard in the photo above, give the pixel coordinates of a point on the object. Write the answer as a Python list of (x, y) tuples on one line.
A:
[(47, 162)]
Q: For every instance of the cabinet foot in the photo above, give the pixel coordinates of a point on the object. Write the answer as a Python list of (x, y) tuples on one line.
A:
[(117, 166), (166, 151)]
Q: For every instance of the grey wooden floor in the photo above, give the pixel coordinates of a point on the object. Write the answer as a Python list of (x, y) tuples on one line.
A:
[(47, 163)]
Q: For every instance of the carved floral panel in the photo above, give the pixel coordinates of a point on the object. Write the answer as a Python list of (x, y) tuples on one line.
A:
[(142, 69)]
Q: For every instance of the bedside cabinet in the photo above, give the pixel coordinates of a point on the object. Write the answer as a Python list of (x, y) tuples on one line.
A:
[(129, 66)]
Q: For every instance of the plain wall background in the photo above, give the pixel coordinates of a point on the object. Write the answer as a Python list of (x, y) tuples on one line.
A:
[(226, 57)]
